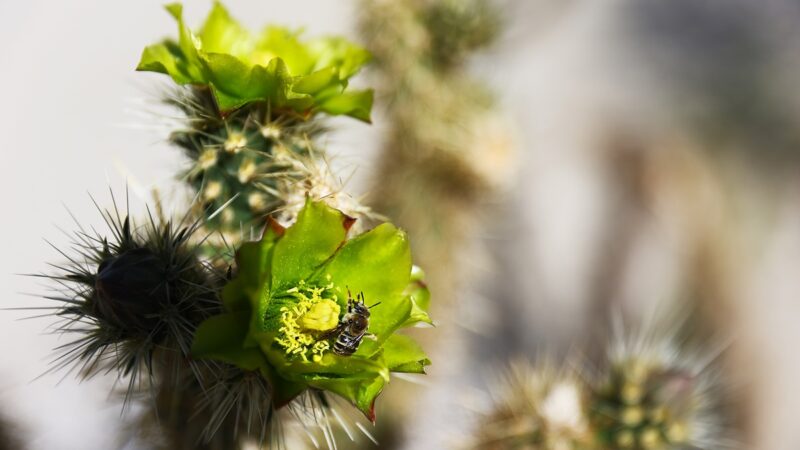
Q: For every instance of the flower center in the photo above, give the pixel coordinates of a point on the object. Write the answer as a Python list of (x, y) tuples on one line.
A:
[(315, 311)]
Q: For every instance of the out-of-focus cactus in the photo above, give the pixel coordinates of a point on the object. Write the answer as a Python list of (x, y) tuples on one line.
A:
[(655, 395), (446, 150), (649, 394), (536, 409)]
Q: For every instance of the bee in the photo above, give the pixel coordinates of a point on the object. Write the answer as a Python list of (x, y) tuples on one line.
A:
[(352, 326)]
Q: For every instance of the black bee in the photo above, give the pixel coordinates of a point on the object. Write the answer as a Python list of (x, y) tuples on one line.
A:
[(352, 326)]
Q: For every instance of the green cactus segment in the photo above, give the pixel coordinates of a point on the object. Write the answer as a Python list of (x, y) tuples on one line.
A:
[(274, 66), (287, 287), (234, 164)]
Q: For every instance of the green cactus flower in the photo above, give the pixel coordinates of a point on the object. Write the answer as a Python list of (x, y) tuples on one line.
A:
[(274, 66), (291, 292)]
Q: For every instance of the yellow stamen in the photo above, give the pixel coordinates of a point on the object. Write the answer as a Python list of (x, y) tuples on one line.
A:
[(315, 311)]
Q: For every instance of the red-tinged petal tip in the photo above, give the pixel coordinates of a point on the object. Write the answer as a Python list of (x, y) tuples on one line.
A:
[(276, 228), (348, 222)]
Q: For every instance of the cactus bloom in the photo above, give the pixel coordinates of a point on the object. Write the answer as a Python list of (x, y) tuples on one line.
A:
[(285, 306), (275, 66)]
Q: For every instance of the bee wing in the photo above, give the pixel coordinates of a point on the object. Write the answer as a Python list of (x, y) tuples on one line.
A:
[(357, 338), (334, 332)]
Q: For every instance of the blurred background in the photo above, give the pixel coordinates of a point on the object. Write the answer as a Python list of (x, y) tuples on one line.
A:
[(648, 159)]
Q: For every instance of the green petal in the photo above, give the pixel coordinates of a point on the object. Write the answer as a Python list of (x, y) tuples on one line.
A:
[(403, 354), (223, 34), (361, 393), (186, 43), (356, 104), (276, 66), (165, 58), (420, 298), (317, 81), (236, 83), (310, 242), (283, 391), (222, 338), (416, 315), (377, 263), (332, 366), (254, 266), (341, 53), (281, 42)]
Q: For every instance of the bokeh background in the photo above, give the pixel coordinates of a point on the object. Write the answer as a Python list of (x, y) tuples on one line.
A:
[(655, 163)]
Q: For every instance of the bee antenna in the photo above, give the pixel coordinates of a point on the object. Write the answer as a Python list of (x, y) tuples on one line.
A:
[(373, 305)]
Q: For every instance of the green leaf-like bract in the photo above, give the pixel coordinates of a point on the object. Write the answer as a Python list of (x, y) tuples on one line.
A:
[(275, 66), (315, 253)]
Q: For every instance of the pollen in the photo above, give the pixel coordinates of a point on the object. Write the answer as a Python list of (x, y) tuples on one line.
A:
[(322, 316), (315, 311)]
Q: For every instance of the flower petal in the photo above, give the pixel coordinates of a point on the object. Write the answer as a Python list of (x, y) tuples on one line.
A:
[(221, 33), (163, 58), (377, 264), (360, 392), (222, 338), (403, 354), (242, 68), (306, 245), (331, 366), (236, 83), (420, 298), (254, 266), (356, 104)]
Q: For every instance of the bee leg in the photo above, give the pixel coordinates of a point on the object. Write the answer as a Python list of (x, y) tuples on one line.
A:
[(371, 336)]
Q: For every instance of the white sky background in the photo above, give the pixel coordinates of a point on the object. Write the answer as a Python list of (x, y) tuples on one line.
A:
[(69, 125)]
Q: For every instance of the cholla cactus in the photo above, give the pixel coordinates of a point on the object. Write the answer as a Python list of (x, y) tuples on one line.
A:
[(537, 409), (237, 352), (447, 150), (139, 291), (290, 315), (445, 135), (655, 395), (650, 395), (250, 106)]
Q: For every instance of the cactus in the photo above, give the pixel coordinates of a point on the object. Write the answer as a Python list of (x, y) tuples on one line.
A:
[(535, 408), (130, 295), (241, 351), (654, 394), (292, 291), (649, 394), (445, 153), (251, 104)]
